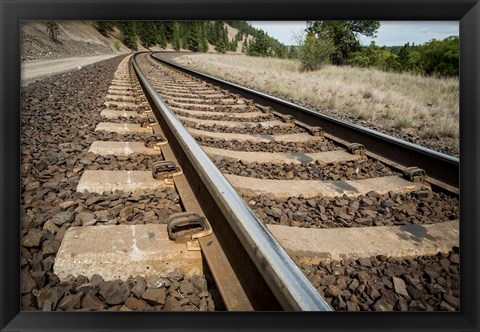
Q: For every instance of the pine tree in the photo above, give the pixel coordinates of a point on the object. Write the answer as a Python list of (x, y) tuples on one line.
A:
[(129, 34), (203, 37), (195, 36), (222, 44), (211, 35), (161, 38), (238, 36), (176, 36), (233, 45), (183, 34), (168, 28), (260, 46), (147, 33), (218, 31), (404, 58), (245, 45), (104, 27)]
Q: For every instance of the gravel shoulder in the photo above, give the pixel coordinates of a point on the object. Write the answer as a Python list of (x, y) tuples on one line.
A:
[(32, 71)]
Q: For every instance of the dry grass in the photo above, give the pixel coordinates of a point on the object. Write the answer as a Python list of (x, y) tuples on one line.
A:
[(425, 106)]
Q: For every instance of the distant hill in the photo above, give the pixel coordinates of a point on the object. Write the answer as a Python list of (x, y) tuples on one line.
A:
[(82, 38), (195, 36)]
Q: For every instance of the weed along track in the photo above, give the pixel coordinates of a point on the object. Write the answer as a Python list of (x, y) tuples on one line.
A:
[(173, 192)]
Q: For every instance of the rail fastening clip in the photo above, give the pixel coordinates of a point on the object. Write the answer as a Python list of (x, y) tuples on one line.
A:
[(316, 131), (265, 109), (146, 122), (288, 119), (356, 148), (155, 141), (415, 174), (166, 170), (187, 227)]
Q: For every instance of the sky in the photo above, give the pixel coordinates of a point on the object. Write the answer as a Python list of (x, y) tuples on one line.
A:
[(390, 33)]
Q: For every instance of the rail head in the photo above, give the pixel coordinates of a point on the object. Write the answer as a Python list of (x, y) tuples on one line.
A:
[(290, 286)]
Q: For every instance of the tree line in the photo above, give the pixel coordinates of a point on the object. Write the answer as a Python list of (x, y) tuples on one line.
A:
[(326, 42), (191, 35), (436, 57), (195, 36), (337, 43)]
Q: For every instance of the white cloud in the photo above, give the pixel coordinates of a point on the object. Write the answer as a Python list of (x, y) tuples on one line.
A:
[(283, 31)]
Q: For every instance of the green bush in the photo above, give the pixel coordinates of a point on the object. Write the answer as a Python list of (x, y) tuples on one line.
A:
[(315, 53), (439, 57), (378, 57)]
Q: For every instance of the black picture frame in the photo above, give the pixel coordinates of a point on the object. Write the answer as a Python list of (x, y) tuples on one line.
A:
[(465, 11)]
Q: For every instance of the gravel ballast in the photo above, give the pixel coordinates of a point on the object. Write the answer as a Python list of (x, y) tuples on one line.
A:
[(417, 207), (425, 283), (234, 145), (58, 119), (354, 170), (257, 130), (43, 291), (264, 117)]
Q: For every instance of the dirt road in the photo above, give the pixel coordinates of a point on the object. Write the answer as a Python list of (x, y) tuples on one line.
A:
[(38, 69)]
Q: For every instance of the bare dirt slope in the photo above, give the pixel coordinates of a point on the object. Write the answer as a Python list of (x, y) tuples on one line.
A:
[(78, 38), (232, 32)]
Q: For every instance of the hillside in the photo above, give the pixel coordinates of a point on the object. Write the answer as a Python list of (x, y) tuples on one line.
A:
[(81, 38), (78, 38), (232, 32)]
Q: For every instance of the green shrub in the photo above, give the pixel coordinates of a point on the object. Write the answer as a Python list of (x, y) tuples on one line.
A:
[(440, 57), (315, 53)]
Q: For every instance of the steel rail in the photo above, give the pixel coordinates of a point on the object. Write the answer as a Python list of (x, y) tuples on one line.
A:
[(442, 168), (291, 288)]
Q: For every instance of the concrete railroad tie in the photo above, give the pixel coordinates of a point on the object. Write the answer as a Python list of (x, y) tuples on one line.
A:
[(297, 158), (121, 148), (314, 245), (123, 128), (282, 189), (127, 181), (120, 251)]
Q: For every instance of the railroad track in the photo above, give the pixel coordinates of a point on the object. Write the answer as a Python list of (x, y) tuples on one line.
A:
[(271, 212)]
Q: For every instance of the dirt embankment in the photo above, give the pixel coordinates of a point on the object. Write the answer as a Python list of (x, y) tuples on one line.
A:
[(80, 38), (77, 38)]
